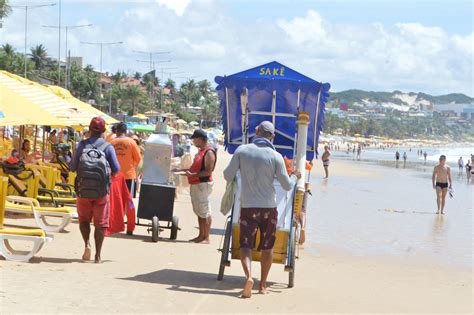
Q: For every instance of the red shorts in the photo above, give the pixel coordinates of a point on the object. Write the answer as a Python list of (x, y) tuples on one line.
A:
[(97, 208), (265, 219)]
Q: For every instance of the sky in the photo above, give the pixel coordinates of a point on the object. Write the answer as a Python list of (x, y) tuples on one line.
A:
[(412, 46)]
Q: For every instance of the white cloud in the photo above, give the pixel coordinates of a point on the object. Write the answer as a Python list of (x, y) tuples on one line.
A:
[(205, 39), (177, 6)]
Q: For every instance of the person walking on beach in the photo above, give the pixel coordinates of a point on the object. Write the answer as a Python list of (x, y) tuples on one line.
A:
[(128, 155), (425, 155), (461, 165), (259, 164), (200, 181), (404, 159), (397, 156), (441, 180), (468, 170), (359, 150), (325, 159), (94, 162)]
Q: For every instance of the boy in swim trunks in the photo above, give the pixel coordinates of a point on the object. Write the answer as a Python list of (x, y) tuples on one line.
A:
[(441, 180)]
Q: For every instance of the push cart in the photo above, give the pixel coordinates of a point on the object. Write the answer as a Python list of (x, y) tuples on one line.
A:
[(295, 105), (157, 194)]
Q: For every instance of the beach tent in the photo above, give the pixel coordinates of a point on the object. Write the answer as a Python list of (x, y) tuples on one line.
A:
[(275, 93), (17, 109), (24, 102), (84, 112)]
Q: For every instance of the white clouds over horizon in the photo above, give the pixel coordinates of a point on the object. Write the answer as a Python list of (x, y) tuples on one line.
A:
[(205, 40)]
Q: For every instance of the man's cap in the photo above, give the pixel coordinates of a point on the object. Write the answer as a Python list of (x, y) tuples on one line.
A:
[(199, 133), (97, 124), (266, 126)]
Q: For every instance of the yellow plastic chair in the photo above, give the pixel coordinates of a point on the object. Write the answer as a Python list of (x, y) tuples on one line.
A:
[(36, 236), (26, 203)]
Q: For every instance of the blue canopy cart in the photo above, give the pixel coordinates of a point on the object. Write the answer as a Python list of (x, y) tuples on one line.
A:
[(295, 104)]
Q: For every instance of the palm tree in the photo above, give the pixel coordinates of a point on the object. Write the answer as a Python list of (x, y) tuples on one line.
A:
[(137, 76), (8, 49), (4, 8), (170, 84), (118, 77), (39, 56), (204, 87), (132, 93)]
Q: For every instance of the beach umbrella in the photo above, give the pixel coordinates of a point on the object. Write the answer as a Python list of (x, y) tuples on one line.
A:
[(143, 128), (194, 123), (140, 116), (181, 121)]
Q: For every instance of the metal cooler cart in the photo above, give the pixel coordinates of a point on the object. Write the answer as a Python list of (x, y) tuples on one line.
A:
[(156, 201)]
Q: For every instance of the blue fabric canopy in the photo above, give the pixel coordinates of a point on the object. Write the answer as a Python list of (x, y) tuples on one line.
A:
[(272, 91)]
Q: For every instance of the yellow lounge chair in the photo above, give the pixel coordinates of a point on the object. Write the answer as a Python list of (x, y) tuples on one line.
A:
[(25, 205), (37, 237)]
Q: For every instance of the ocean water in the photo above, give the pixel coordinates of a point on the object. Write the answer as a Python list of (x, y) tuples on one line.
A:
[(391, 211), (433, 153)]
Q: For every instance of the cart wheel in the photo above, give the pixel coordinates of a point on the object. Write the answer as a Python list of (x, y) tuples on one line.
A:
[(155, 229), (174, 228), (225, 250), (291, 274)]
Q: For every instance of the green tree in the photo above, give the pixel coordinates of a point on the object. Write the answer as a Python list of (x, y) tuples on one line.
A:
[(39, 56), (4, 9), (137, 76), (133, 93), (170, 84)]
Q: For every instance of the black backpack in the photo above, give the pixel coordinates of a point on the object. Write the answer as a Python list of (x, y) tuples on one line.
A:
[(93, 178)]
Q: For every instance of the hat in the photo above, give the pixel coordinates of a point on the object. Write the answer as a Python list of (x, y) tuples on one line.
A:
[(199, 133), (97, 124), (266, 126)]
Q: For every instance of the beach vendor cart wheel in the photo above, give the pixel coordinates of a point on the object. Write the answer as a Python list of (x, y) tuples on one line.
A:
[(225, 250), (155, 229), (174, 228), (291, 274)]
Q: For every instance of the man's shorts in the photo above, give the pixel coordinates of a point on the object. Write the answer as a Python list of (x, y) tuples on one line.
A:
[(200, 199), (265, 219), (98, 208)]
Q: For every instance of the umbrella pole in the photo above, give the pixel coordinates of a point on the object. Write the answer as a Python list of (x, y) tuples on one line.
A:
[(42, 150), (34, 141)]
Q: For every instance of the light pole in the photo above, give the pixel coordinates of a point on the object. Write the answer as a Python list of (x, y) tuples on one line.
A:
[(67, 27), (26, 7), (101, 44)]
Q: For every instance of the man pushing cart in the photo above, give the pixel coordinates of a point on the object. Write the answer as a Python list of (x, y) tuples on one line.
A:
[(286, 110)]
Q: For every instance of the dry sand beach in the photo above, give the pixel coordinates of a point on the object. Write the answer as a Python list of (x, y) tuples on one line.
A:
[(139, 276)]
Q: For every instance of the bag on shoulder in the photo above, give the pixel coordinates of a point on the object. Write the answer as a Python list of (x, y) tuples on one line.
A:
[(93, 178)]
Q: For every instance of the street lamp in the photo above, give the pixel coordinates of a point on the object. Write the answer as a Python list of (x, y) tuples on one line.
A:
[(26, 7), (67, 27), (101, 44)]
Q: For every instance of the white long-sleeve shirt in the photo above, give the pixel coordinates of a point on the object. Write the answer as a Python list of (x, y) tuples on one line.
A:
[(259, 166)]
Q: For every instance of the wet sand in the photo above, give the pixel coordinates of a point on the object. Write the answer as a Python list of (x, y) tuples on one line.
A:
[(139, 276)]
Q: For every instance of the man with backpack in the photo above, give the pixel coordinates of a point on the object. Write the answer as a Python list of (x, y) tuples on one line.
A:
[(94, 162)]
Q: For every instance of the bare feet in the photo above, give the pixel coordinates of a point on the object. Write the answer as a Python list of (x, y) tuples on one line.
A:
[(196, 239), (263, 290), (437, 212), (87, 254), (247, 291), (97, 260)]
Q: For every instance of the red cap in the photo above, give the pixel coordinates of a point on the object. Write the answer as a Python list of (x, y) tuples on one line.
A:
[(97, 124)]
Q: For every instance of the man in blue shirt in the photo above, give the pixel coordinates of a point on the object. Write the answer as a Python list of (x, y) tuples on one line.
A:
[(97, 208)]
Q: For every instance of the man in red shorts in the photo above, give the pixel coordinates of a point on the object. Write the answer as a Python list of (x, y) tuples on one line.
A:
[(95, 162), (259, 165)]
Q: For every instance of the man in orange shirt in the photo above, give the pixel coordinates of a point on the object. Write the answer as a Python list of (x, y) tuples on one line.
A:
[(128, 155)]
